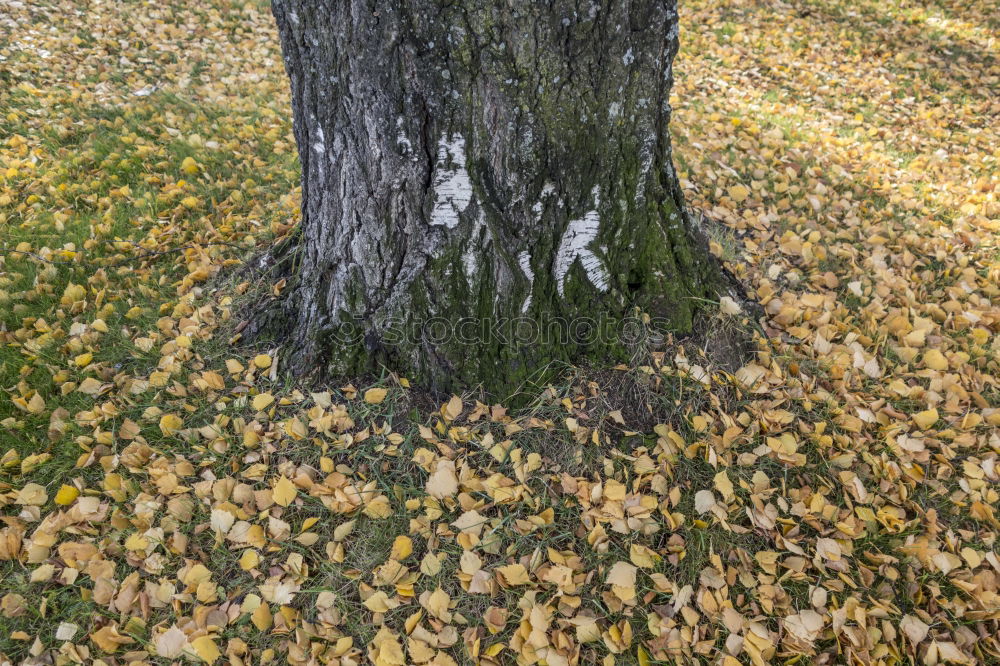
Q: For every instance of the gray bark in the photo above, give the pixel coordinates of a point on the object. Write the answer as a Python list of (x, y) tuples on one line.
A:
[(491, 159)]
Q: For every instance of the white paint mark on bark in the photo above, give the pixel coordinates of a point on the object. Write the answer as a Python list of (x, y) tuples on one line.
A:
[(452, 187), (524, 261), (628, 58), (575, 244)]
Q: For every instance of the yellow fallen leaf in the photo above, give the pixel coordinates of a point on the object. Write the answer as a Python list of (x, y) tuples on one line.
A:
[(430, 565), (344, 643), (935, 360), (514, 574), (136, 542), (295, 428), (402, 547), (284, 492), (249, 559), (189, 166), (66, 495), (37, 404), (109, 639), (374, 396), (926, 418), (32, 494), (724, 485), (90, 386), (83, 360), (170, 424), (380, 602), (196, 575), (436, 604), (378, 507), (262, 361), (342, 531), (206, 649), (43, 573), (262, 401), (643, 557), (453, 409), (262, 618), (621, 574), (614, 491), (738, 193), (387, 649)]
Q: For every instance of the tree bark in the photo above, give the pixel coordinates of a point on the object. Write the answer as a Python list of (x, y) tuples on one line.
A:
[(494, 164)]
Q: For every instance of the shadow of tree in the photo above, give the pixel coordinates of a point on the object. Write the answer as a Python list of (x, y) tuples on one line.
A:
[(901, 40)]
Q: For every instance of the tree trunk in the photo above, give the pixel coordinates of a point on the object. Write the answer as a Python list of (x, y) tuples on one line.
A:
[(479, 176)]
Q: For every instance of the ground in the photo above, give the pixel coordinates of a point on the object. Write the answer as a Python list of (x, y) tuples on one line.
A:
[(167, 494)]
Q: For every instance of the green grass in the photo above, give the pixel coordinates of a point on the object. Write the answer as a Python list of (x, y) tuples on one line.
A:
[(72, 198)]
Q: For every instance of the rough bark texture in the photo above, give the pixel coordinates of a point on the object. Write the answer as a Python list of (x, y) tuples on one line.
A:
[(498, 160)]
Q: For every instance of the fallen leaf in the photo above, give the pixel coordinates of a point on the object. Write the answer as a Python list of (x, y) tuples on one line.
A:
[(206, 649), (443, 482), (284, 492), (171, 643), (375, 396), (262, 401), (170, 424), (926, 418)]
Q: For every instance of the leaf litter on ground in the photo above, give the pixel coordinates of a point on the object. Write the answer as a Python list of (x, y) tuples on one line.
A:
[(165, 496)]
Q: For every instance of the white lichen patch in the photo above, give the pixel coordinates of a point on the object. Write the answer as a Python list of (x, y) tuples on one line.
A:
[(473, 248), (645, 167), (524, 261), (539, 206), (401, 139), (320, 145), (452, 187), (575, 244)]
